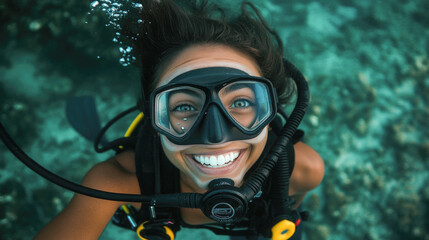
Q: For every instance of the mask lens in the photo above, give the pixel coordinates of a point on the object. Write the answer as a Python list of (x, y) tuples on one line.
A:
[(177, 109), (247, 102)]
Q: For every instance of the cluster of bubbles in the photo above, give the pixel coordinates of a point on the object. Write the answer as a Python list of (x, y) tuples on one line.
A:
[(116, 10)]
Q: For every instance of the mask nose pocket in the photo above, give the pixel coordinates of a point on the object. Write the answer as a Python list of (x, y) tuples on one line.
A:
[(214, 125)]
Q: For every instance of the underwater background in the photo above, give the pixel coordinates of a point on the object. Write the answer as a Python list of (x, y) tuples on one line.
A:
[(368, 68)]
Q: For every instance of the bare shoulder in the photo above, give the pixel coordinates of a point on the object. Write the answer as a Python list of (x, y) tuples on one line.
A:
[(117, 174), (89, 216), (308, 170)]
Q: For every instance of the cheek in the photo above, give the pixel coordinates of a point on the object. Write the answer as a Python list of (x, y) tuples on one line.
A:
[(259, 140), (257, 147), (174, 152), (168, 146), (258, 144)]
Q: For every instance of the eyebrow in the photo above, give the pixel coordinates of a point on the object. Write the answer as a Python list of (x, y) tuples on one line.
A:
[(235, 87), (185, 91)]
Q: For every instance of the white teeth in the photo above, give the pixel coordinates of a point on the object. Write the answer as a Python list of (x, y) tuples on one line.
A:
[(217, 161), (221, 160), (213, 161)]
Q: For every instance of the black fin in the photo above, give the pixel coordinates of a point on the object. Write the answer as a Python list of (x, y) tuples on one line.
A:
[(82, 115)]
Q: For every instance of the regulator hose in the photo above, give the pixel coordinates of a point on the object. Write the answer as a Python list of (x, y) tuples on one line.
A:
[(254, 183), (101, 133), (169, 200)]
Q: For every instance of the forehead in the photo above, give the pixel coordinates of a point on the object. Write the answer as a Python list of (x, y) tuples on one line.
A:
[(203, 56)]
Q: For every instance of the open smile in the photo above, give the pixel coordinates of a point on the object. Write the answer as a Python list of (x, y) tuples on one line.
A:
[(217, 161), (222, 162)]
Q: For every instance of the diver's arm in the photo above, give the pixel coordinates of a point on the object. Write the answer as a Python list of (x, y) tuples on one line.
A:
[(86, 217), (83, 218), (307, 173)]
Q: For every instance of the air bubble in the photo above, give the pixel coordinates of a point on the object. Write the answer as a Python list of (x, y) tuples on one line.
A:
[(94, 4), (115, 11), (138, 5)]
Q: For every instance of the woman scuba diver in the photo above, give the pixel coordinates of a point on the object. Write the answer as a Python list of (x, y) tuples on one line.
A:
[(212, 89)]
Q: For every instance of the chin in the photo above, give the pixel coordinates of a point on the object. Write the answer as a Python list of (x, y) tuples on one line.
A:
[(204, 183)]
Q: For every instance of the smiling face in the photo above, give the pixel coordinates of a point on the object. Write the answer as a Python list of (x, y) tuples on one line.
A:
[(199, 164)]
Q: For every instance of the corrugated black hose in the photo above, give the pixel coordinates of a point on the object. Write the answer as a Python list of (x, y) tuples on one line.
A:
[(253, 185)]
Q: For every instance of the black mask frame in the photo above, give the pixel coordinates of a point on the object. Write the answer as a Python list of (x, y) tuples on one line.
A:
[(214, 123)]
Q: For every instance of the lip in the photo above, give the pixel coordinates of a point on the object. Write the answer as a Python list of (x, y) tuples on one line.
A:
[(216, 171)]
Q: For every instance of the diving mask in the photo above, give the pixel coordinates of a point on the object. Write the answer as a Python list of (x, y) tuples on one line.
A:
[(213, 105)]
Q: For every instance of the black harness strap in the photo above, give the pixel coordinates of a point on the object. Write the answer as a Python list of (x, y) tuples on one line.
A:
[(144, 159)]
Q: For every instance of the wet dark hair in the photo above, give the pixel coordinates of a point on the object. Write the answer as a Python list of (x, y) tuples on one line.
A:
[(169, 27)]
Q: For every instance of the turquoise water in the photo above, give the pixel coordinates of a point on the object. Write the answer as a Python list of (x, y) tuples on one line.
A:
[(368, 68)]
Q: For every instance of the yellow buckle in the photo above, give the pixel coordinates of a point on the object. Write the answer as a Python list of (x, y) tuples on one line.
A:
[(283, 230)]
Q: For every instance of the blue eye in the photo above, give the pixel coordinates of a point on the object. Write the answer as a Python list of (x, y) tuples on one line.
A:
[(184, 108), (241, 103)]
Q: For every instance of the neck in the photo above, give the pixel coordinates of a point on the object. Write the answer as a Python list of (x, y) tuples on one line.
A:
[(189, 215), (187, 185)]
